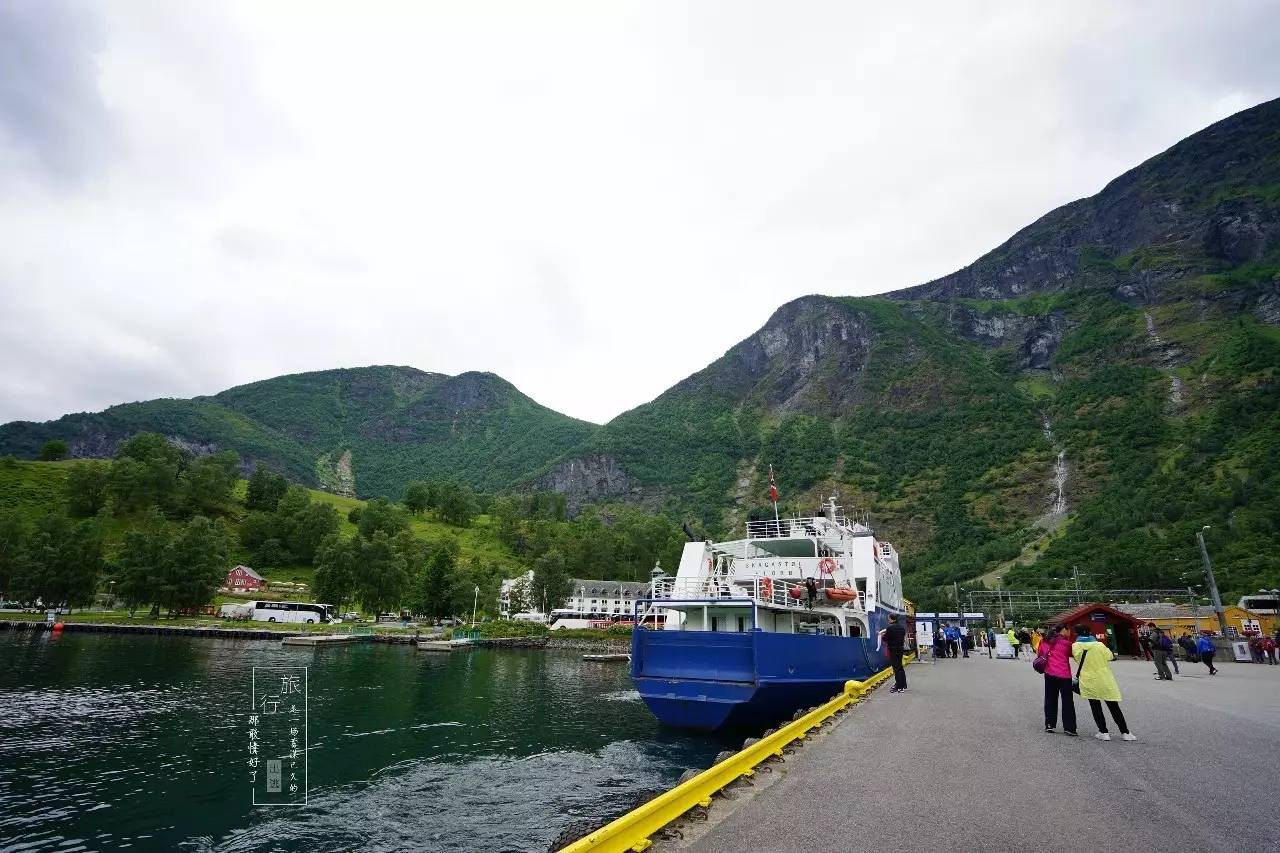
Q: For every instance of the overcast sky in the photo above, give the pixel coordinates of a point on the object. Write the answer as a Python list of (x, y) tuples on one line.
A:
[(591, 199)]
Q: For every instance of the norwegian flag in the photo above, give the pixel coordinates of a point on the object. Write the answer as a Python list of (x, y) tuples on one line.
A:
[(773, 487)]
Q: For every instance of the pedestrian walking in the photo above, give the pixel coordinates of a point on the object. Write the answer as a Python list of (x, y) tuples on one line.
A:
[(1206, 649), (1144, 642), (1269, 649), (991, 642), (1188, 647), (1024, 638), (1161, 649), (966, 641), (1014, 641), (811, 591), (893, 638), (1097, 683), (1055, 650)]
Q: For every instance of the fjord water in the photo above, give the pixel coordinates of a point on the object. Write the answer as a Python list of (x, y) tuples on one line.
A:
[(140, 742)]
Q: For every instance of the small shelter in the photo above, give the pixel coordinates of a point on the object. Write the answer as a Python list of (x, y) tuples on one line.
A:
[(1117, 629)]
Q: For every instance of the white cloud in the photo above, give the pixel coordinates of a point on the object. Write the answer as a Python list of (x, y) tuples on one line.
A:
[(591, 199)]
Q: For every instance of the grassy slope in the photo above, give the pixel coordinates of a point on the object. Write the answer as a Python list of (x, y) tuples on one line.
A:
[(37, 488)]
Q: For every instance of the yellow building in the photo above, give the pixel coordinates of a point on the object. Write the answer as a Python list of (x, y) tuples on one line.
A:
[(1178, 618)]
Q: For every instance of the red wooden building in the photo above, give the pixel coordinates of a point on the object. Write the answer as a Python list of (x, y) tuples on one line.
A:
[(1117, 629), (244, 578)]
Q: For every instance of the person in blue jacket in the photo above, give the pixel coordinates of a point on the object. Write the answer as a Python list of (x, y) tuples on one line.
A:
[(953, 640), (1206, 648)]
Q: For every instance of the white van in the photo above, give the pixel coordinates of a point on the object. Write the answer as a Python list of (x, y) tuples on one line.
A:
[(239, 612)]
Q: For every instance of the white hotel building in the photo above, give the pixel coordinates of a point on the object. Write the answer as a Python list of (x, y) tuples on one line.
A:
[(592, 598)]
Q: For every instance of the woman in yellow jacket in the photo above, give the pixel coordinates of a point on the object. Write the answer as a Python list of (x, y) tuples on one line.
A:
[(1097, 683)]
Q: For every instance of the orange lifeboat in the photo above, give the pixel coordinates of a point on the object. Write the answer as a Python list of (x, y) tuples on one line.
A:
[(841, 594)]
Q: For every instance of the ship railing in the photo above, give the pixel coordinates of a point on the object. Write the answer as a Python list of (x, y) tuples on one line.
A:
[(695, 588), (774, 592), (777, 593), (810, 526)]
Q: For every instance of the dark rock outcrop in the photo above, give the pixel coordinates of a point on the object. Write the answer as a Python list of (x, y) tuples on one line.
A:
[(806, 357), (587, 479)]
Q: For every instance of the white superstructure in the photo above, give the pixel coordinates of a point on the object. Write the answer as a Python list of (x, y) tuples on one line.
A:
[(745, 583)]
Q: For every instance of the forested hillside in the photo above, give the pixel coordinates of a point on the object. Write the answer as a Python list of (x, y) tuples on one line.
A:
[(157, 526), (362, 431), (1090, 393)]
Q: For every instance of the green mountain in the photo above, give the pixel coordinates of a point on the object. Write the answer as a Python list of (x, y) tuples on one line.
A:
[(1090, 393), (365, 431)]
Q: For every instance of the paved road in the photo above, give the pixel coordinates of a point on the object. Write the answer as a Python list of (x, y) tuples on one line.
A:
[(960, 762)]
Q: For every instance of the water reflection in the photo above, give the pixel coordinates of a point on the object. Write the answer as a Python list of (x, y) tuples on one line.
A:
[(138, 742)]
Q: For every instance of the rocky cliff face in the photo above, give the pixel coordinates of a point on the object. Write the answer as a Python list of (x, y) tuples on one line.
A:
[(588, 479), (805, 358), (1033, 338)]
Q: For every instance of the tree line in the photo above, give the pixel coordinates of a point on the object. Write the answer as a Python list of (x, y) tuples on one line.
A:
[(60, 559), (179, 545)]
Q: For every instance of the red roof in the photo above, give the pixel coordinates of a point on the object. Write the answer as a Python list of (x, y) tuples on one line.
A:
[(1081, 614), (248, 571)]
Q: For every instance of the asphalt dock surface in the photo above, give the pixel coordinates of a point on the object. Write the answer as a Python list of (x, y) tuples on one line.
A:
[(960, 762)]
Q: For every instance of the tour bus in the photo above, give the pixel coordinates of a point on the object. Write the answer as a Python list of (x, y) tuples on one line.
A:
[(565, 617), (289, 611)]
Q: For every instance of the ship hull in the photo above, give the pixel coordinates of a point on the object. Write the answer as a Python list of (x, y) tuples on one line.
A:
[(708, 680)]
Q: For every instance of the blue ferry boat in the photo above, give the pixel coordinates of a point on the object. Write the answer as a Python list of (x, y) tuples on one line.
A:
[(742, 640)]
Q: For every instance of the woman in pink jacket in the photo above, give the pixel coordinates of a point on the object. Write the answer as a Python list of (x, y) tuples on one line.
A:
[(1056, 646)]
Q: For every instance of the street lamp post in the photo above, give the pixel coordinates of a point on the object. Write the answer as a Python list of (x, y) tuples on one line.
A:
[(1213, 584), (475, 604)]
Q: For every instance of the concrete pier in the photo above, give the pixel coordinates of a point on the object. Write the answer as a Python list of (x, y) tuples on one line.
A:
[(315, 640), (443, 645), (961, 762)]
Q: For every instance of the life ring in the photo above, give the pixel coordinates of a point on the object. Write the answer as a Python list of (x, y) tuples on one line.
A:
[(766, 587), (827, 566)]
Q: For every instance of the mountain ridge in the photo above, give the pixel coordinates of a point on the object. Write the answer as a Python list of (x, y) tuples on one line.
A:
[(1081, 394), (391, 423)]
